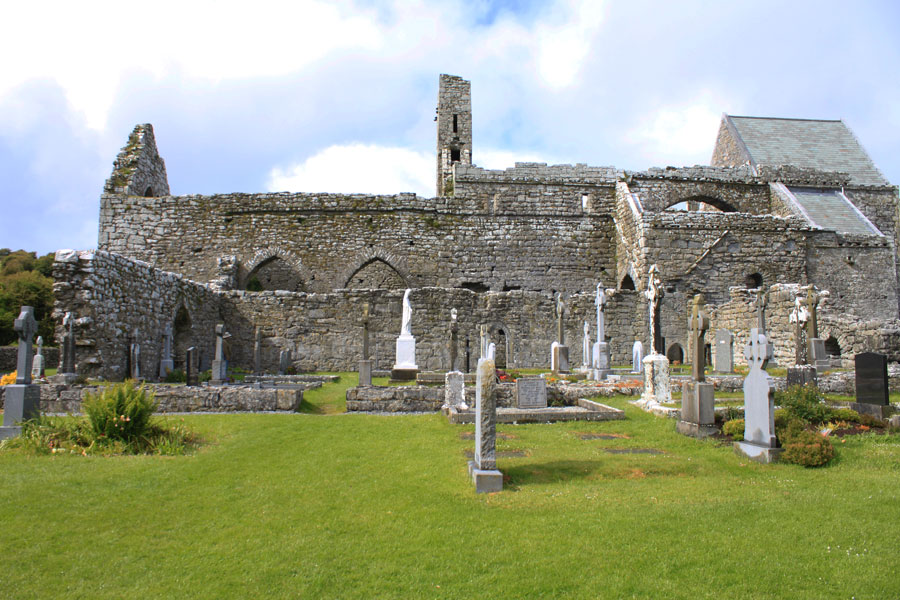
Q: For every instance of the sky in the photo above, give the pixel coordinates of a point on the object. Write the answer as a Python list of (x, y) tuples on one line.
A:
[(339, 95)]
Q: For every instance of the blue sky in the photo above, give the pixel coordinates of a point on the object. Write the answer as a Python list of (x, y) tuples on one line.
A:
[(339, 96)]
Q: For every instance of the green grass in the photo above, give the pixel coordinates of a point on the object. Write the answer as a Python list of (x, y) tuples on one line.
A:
[(366, 506)]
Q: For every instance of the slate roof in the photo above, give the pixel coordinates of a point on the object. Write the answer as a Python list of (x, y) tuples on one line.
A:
[(830, 209), (823, 145)]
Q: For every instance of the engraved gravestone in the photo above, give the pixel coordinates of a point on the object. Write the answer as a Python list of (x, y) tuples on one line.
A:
[(724, 355), (759, 442), (22, 399), (531, 392), (484, 466), (871, 384)]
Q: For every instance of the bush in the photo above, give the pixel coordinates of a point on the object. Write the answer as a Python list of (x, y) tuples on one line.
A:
[(808, 449), (119, 412), (804, 402), (870, 421), (176, 376), (9, 378), (734, 428), (845, 414)]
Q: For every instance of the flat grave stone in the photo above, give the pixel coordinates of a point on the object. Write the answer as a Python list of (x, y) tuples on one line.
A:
[(602, 436), (871, 378), (632, 451), (531, 392)]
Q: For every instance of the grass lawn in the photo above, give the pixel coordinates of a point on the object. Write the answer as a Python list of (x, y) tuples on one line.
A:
[(323, 505)]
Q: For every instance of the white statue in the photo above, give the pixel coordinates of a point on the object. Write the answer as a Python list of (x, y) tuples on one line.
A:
[(407, 315), (586, 346)]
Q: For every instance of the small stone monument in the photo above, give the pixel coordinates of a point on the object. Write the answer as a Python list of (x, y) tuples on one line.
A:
[(483, 336), (759, 404), (284, 362), (817, 356), (67, 367), (37, 366), (601, 363), (166, 364), (586, 348), (492, 351), (698, 414), (405, 368), (454, 339), (21, 400), (531, 392), (801, 373), (365, 364), (220, 365), (135, 356), (559, 352), (483, 468), (657, 388), (871, 385), (257, 352), (192, 366), (724, 355), (455, 391), (637, 357)]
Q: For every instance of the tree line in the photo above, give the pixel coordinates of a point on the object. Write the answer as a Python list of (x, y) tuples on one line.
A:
[(26, 280)]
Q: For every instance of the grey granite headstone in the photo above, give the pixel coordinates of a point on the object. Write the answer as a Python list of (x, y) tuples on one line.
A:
[(698, 410), (871, 384), (22, 399), (802, 375), (531, 392), (759, 404), (724, 354), (484, 467)]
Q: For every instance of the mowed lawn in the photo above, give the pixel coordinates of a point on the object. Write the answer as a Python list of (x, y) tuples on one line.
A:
[(322, 505)]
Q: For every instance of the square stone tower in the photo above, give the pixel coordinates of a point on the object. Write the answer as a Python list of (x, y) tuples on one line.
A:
[(454, 129)]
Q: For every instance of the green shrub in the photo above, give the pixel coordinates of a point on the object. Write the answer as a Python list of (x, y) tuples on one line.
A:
[(119, 412), (808, 449), (734, 428), (870, 421), (789, 428), (176, 376), (804, 402), (204, 376), (845, 414)]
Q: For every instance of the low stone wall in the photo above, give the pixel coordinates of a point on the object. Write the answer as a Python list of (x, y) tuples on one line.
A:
[(405, 398), (58, 398), (8, 356)]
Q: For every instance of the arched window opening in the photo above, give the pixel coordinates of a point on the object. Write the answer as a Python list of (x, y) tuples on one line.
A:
[(627, 283), (675, 354), (753, 281), (832, 347), (274, 274), (376, 274), (148, 193)]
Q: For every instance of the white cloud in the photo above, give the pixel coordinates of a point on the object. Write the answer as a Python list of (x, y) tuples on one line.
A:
[(358, 169), (681, 133), (563, 45)]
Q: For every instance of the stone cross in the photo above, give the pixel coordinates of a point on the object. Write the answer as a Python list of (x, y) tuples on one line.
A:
[(761, 300), (484, 341), (37, 367), (167, 342), (220, 338), (68, 344), (654, 295), (586, 346), (560, 317), (759, 425), (699, 323), (812, 303), (257, 352), (365, 340), (799, 316), (25, 327), (454, 338)]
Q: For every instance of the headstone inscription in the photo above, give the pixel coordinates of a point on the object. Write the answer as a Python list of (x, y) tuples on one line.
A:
[(531, 392), (759, 442), (484, 466), (37, 366), (21, 400), (724, 353), (871, 385), (166, 364)]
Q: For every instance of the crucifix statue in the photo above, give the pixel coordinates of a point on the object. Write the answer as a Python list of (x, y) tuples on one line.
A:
[(560, 316), (654, 295), (699, 323), (25, 327)]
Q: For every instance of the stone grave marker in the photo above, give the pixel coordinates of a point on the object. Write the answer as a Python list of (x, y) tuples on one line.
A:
[(37, 366), (637, 357), (698, 415), (284, 362), (724, 355), (454, 390), (531, 392), (483, 467), (257, 352), (759, 404), (135, 356), (22, 399), (871, 384), (192, 366), (166, 364)]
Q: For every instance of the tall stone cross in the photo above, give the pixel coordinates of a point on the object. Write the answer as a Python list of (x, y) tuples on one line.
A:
[(454, 338), (560, 317), (365, 340), (812, 303), (25, 327), (654, 295), (257, 351), (599, 301), (757, 351), (699, 323), (761, 301)]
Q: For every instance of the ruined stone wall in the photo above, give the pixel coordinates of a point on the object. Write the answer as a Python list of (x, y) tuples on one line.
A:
[(138, 169), (110, 296), (438, 241), (728, 152), (630, 256), (735, 188)]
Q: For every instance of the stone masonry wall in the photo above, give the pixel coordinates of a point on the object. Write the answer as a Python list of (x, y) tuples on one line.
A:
[(138, 168), (110, 296)]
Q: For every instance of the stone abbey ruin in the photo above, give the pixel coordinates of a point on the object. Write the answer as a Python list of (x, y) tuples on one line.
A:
[(785, 203)]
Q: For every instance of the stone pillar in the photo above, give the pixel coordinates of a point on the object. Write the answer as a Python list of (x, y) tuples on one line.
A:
[(484, 466)]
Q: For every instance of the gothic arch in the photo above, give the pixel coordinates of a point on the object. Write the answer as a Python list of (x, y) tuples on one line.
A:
[(369, 256), (269, 254), (503, 339), (182, 333), (714, 202)]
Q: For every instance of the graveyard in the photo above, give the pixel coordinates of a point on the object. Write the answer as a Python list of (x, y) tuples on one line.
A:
[(545, 381)]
